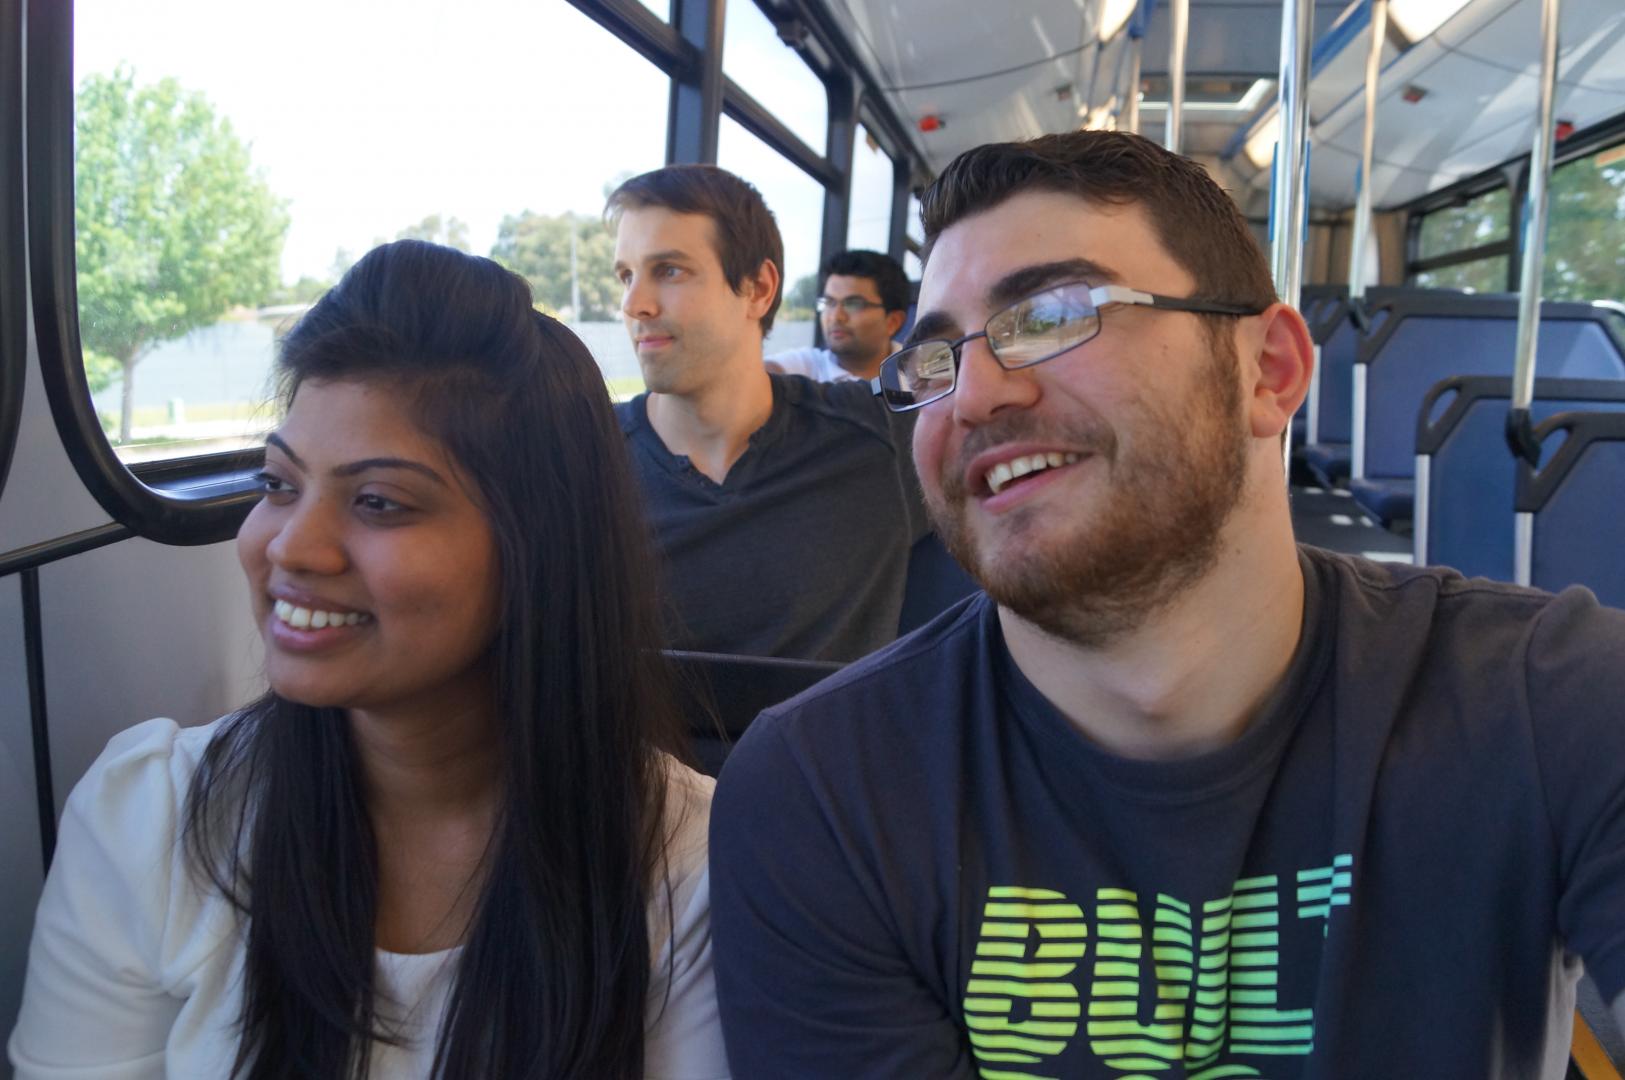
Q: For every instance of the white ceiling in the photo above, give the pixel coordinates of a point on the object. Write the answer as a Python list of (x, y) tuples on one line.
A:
[(1479, 72)]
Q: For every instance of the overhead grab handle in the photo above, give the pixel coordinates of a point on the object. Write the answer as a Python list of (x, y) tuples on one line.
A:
[(1521, 438)]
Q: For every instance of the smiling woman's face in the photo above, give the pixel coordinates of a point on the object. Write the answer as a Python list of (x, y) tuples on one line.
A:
[(373, 573)]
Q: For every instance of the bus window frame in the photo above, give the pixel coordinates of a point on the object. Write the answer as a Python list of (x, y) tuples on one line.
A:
[(1512, 175), (13, 267), (200, 499)]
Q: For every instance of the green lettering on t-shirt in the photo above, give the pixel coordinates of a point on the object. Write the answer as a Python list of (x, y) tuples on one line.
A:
[(1214, 974), (1020, 1005)]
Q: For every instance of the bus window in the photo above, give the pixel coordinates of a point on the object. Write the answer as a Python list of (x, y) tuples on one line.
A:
[(868, 225), (797, 202), (916, 235), (1585, 230), (1483, 221), (219, 191), (1481, 275), (775, 75)]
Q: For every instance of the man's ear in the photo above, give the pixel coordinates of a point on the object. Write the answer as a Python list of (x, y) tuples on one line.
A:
[(1282, 356), (894, 323), (761, 288)]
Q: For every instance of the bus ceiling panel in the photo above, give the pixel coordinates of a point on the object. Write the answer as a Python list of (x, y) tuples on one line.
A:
[(1460, 101), (13, 332), (1233, 36), (990, 73)]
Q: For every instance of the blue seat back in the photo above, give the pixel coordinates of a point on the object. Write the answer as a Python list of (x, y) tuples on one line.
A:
[(1578, 534), (1335, 328), (935, 583), (1425, 339), (720, 694), (1465, 519)]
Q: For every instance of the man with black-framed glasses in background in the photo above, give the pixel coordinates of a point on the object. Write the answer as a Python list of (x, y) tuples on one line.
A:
[(1176, 796), (862, 305)]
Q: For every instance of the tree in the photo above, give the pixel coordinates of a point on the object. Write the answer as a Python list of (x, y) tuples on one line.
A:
[(537, 246), (1585, 232), (452, 232), (800, 298), (173, 225)]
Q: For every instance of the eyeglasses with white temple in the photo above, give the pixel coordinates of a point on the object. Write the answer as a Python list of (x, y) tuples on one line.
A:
[(1034, 329), (852, 305)]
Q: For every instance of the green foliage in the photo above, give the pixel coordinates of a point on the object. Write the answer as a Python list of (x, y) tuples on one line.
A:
[(173, 224), (1483, 219), (307, 290), (537, 246), (1585, 231), (799, 300), (451, 232)]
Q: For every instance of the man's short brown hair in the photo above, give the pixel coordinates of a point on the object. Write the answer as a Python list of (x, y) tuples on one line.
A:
[(1195, 220), (746, 234)]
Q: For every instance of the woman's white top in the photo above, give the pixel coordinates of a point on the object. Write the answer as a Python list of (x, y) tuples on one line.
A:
[(135, 970)]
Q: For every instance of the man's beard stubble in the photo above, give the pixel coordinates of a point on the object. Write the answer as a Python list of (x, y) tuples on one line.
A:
[(1155, 534)]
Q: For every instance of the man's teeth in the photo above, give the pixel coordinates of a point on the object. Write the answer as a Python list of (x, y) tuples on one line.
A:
[(302, 618), (1006, 471)]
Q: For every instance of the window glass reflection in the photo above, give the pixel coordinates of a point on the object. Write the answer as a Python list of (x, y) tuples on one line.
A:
[(773, 73), (869, 219)]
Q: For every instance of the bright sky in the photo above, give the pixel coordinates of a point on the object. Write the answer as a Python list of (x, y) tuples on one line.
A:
[(368, 116)]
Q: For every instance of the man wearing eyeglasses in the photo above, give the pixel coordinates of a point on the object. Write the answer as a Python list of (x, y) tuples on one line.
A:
[(1176, 796), (863, 305)]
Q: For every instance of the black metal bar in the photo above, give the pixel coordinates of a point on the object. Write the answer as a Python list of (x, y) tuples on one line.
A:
[(34, 648), (757, 120), (1464, 255), (839, 143), (897, 232), (833, 35), (697, 96), (29, 559), (645, 32)]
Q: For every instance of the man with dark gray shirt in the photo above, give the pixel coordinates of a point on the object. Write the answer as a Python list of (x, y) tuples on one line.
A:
[(784, 509), (1175, 796)]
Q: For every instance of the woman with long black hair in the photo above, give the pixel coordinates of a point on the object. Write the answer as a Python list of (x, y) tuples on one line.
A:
[(451, 839)]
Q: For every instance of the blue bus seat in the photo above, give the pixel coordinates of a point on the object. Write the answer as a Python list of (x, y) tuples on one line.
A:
[(1577, 536), (1465, 474), (1337, 327), (719, 695), (1430, 336), (935, 583)]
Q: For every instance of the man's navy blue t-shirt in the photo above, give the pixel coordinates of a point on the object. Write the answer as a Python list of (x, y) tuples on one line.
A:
[(802, 551), (921, 869)]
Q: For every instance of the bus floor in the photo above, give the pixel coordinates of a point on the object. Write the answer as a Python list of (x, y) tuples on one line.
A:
[(1331, 519)]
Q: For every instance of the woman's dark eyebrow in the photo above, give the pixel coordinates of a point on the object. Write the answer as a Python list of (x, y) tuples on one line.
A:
[(352, 468), (276, 440), (1022, 283)]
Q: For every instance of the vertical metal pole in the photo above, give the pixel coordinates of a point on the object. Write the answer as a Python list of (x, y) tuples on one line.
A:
[(1131, 115), (1362, 205), (696, 98), (1519, 435), (1535, 208), (1288, 198), (34, 659), (1179, 13)]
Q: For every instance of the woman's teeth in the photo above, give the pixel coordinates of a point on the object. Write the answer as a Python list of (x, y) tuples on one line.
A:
[(303, 618), (1006, 471)]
